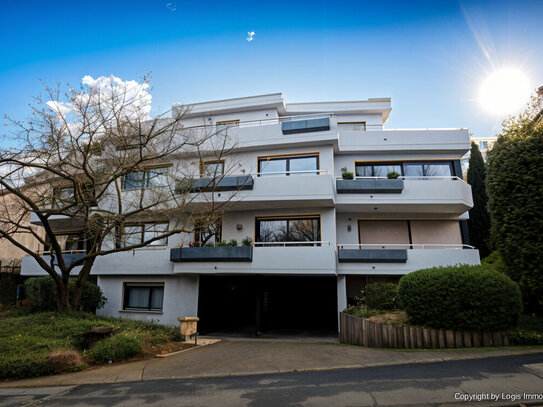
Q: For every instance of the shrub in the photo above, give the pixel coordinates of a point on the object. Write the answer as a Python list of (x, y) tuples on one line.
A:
[(247, 241), (392, 175), (19, 367), (380, 296), (41, 292), (347, 175), (233, 243), (119, 346), (460, 297), (64, 360), (495, 261)]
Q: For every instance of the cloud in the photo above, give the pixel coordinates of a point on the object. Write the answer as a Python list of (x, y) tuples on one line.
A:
[(171, 6), (250, 34)]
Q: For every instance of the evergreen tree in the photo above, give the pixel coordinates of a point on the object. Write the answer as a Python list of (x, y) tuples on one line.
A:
[(479, 218), (515, 191)]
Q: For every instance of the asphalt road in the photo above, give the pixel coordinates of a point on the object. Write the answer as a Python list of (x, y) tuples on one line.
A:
[(435, 384)]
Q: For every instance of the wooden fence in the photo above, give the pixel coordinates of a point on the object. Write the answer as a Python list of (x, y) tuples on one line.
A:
[(360, 331)]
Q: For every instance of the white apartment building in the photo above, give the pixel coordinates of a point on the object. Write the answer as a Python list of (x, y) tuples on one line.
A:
[(316, 238)]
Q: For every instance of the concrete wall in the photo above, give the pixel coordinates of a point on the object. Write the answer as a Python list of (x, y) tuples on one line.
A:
[(180, 297)]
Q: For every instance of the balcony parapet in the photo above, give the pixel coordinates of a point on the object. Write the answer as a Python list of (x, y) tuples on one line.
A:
[(217, 253), (372, 256), (369, 185), (305, 126), (227, 183)]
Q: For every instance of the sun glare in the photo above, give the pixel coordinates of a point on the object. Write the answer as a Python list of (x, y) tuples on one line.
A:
[(505, 91)]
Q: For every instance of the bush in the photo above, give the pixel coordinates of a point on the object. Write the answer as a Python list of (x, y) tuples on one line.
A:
[(64, 360), (20, 367), (380, 296), (495, 261), (41, 292), (460, 297), (119, 346)]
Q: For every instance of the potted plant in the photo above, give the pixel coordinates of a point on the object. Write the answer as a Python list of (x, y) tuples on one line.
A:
[(346, 174), (393, 175)]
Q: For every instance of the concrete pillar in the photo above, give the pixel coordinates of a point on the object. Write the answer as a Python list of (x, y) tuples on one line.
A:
[(341, 296)]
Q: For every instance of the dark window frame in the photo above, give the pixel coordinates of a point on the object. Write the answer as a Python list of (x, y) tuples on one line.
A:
[(143, 230), (217, 161), (146, 181), (288, 219), (126, 295), (402, 164), (288, 158)]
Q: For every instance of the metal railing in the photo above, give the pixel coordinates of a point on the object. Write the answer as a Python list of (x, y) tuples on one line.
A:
[(416, 178), (285, 244), (48, 252), (315, 172), (362, 246)]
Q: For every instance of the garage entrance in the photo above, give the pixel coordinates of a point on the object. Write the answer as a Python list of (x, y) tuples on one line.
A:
[(257, 304)]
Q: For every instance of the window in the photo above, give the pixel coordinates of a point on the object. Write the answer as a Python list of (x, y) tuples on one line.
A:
[(212, 169), (408, 169), (68, 242), (284, 165), (137, 234), (352, 126), (143, 296), (483, 145), (225, 124), (151, 177), (295, 229), (63, 196), (209, 234)]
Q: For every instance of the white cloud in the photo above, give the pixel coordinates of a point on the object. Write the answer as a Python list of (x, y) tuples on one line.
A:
[(251, 35), (171, 6)]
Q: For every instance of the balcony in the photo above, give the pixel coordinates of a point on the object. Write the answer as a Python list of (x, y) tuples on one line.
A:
[(206, 254), (59, 223), (293, 189), (399, 259), (30, 267), (454, 141), (271, 259), (445, 195)]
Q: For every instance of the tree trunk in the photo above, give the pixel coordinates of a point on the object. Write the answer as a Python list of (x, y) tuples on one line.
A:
[(83, 275), (63, 296)]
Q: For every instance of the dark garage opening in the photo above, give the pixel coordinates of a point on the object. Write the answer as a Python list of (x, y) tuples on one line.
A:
[(251, 305)]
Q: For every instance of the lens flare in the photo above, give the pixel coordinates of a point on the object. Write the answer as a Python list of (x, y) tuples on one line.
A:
[(505, 91)]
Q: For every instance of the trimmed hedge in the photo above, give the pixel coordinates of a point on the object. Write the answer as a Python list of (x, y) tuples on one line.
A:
[(119, 346), (380, 296), (460, 297), (41, 293)]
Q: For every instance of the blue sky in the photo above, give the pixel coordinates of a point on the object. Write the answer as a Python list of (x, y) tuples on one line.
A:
[(429, 56)]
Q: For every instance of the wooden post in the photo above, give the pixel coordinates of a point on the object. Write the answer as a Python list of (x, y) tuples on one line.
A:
[(467, 339), (458, 339)]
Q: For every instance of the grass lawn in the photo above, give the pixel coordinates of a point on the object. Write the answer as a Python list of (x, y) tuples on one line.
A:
[(50, 342)]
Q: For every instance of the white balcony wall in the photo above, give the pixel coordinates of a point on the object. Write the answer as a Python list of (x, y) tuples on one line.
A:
[(271, 260), (443, 196), (180, 298), (416, 259), (455, 141), (373, 121)]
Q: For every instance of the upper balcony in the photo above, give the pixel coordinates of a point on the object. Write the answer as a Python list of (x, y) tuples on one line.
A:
[(399, 259), (447, 194), (310, 258), (312, 188), (453, 141)]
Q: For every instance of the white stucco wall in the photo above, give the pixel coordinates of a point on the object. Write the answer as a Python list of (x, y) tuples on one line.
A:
[(180, 297)]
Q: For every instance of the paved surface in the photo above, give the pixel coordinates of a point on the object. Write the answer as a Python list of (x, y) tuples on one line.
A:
[(257, 356), (419, 384)]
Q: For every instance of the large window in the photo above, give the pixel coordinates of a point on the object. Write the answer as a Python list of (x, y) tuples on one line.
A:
[(295, 229), (68, 242), (139, 233), (288, 165), (151, 177), (408, 169), (148, 297), (212, 168), (207, 235)]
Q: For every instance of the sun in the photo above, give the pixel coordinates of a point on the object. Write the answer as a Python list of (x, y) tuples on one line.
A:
[(505, 91)]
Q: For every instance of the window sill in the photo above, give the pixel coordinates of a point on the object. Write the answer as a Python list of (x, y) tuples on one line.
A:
[(139, 311)]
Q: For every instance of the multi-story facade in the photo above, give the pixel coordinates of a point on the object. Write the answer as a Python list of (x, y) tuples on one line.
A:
[(315, 237)]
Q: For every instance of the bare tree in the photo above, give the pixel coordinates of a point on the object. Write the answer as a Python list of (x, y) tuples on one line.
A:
[(95, 159)]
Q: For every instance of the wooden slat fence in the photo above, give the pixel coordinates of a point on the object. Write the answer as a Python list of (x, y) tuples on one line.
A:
[(360, 331)]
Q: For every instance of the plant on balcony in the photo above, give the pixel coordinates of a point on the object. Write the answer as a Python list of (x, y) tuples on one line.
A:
[(346, 174), (85, 147), (233, 243), (393, 175), (247, 241)]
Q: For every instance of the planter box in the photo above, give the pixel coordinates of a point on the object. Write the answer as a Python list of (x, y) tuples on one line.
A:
[(364, 186), (219, 253), (372, 255), (305, 126)]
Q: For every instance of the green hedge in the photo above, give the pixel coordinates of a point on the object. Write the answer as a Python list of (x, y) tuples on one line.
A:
[(460, 297), (41, 293), (380, 296), (119, 346)]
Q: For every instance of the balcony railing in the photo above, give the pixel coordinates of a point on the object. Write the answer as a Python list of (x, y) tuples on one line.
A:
[(413, 178), (379, 246), (307, 172), (285, 244)]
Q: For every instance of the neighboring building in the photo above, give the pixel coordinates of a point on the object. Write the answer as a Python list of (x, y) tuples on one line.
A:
[(316, 238), (484, 144)]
